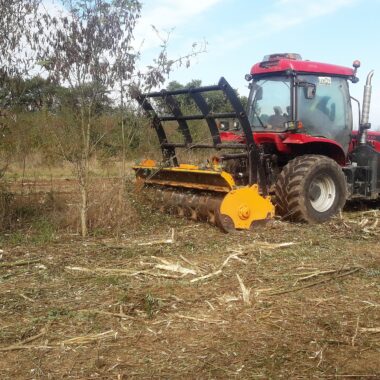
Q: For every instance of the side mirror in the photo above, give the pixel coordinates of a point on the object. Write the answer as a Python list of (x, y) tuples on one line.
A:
[(310, 90)]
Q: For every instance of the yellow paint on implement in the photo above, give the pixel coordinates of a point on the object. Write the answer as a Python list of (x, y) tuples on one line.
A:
[(188, 176), (245, 206), (240, 208)]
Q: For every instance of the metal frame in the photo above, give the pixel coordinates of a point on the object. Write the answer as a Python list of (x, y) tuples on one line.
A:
[(253, 154)]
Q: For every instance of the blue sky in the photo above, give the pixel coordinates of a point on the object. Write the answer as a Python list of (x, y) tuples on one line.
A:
[(239, 33)]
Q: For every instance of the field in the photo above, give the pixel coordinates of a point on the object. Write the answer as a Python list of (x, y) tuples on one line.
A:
[(170, 298)]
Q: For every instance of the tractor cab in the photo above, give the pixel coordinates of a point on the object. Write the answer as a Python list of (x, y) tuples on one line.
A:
[(291, 95)]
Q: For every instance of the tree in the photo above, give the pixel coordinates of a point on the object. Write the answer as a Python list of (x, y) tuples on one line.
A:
[(81, 52)]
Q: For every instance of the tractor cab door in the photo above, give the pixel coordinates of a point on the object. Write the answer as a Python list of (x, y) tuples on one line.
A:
[(324, 107)]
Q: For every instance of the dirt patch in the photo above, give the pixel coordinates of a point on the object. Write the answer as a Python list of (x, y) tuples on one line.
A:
[(144, 306)]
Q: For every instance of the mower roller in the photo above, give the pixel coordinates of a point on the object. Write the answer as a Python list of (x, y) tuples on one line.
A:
[(205, 193)]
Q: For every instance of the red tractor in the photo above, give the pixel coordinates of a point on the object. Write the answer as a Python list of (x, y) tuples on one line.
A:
[(295, 144)]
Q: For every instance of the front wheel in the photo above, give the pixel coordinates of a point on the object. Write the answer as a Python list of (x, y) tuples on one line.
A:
[(311, 189)]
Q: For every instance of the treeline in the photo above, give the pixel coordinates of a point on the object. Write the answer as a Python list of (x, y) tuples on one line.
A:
[(37, 113)]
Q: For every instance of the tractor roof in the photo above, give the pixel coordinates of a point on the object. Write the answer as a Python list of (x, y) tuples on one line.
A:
[(277, 63)]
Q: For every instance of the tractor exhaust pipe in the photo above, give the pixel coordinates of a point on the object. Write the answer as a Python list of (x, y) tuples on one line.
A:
[(364, 122)]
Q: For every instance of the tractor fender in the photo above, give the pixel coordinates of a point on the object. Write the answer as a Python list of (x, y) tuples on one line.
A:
[(304, 144)]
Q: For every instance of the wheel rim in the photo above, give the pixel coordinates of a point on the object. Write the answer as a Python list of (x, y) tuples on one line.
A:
[(322, 193)]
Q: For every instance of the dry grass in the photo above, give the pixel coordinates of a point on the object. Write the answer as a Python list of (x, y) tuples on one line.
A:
[(28, 205), (111, 208), (136, 311)]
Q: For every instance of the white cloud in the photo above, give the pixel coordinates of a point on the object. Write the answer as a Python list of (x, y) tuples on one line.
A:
[(166, 15), (170, 13), (319, 4), (299, 11), (284, 14)]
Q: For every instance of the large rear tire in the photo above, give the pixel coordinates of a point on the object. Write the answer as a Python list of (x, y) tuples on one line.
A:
[(310, 189)]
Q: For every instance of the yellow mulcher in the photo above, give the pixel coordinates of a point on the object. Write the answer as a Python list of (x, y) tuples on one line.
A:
[(208, 192)]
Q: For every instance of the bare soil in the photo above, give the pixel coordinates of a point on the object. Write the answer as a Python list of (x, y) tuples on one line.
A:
[(144, 306)]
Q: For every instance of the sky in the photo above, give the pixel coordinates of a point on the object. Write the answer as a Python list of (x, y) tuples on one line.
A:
[(239, 33)]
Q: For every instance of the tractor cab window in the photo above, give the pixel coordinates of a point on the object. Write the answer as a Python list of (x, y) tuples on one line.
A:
[(327, 112), (269, 104)]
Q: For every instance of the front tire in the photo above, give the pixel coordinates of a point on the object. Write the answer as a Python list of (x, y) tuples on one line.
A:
[(310, 189)]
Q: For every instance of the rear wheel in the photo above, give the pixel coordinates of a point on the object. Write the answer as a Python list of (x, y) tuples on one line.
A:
[(311, 189)]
